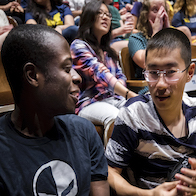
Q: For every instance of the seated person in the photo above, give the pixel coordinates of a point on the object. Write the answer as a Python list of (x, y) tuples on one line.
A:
[(137, 7), (153, 18), (125, 6), (14, 9), (43, 153), (136, 12), (76, 8), (54, 14), (120, 30), (103, 89), (185, 15), (153, 132)]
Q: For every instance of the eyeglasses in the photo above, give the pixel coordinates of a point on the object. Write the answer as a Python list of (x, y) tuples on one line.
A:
[(170, 75), (102, 13)]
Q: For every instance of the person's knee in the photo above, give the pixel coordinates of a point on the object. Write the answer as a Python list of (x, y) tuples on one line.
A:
[(70, 33)]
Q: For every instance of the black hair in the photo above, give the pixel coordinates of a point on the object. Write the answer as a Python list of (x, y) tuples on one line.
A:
[(26, 43), (39, 12), (87, 20), (170, 39)]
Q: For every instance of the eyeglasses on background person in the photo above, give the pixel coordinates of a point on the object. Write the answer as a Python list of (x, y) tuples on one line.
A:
[(170, 75), (102, 13)]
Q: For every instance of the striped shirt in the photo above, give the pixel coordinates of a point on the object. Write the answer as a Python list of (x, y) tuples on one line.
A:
[(95, 85), (142, 141)]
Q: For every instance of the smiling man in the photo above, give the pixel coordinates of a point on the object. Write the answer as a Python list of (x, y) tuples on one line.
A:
[(154, 132), (43, 153)]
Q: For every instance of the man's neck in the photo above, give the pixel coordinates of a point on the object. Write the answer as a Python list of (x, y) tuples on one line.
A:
[(175, 121), (31, 123)]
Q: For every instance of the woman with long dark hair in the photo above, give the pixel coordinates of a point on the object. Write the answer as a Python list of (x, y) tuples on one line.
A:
[(52, 13), (103, 83)]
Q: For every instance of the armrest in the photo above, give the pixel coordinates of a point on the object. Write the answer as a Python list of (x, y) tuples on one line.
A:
[(136, 83)]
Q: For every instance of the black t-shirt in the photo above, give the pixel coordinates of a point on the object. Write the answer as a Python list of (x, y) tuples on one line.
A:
[(65, 160)]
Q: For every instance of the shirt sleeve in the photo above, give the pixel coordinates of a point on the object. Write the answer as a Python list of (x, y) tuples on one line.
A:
[(136, 42), (66, 10), (86, 63), (136, 9), (177, 20), (99, 166), (121, 146), (28, 16)]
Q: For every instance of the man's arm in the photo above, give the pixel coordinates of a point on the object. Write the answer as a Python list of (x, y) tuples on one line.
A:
[(122, 187), (100, 188)]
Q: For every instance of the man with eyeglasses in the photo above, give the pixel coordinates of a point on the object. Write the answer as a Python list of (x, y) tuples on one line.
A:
[(156, 131)]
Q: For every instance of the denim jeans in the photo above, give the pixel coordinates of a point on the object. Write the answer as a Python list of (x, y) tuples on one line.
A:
[(70, 33)]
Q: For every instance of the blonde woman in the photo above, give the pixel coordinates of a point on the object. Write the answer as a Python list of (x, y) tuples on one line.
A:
[(153, 18)]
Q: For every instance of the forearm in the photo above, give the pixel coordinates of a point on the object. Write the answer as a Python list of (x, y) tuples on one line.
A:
[(122, 90), (76, 13), (62, 27), (139, 58), (116, 32), (31, 21), (4, 8), (122, 187), (99, 188)]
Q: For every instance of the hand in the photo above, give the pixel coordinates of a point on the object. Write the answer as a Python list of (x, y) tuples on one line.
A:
[(11, 6), (102, 68), (19, 9), (5, 29), (123, 11), (165, 189), (127, 27), (161, 21), (129, 7), (187, 179)]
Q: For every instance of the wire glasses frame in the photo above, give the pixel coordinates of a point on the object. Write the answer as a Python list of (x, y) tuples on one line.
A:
[(102, 13), (170, 75)]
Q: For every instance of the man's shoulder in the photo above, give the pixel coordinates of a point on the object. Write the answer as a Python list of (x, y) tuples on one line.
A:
[(74, 123), (74, 119), (137, 110), (140, 98)]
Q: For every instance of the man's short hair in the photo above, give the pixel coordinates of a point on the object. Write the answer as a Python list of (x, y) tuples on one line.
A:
[(26, 43), (170, 39)]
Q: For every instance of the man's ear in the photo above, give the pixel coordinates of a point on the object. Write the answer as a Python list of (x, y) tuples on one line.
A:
[(191, 71), (30, 74)]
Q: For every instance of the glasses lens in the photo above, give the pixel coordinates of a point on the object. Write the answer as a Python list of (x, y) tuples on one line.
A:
[(102, 13), (171, 75)]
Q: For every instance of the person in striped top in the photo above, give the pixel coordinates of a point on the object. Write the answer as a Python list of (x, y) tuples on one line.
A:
[(154, 132)]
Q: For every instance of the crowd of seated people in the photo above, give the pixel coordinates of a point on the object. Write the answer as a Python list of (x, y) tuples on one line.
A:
[(101, 32)]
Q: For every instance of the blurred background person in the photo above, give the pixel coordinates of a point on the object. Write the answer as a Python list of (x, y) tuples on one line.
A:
[(14, 9), (103, 87), (185, 15), (52, 13)]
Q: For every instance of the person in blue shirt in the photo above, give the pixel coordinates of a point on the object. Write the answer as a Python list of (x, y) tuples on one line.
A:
[(185, 15), (45, 148), (54, 14)]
